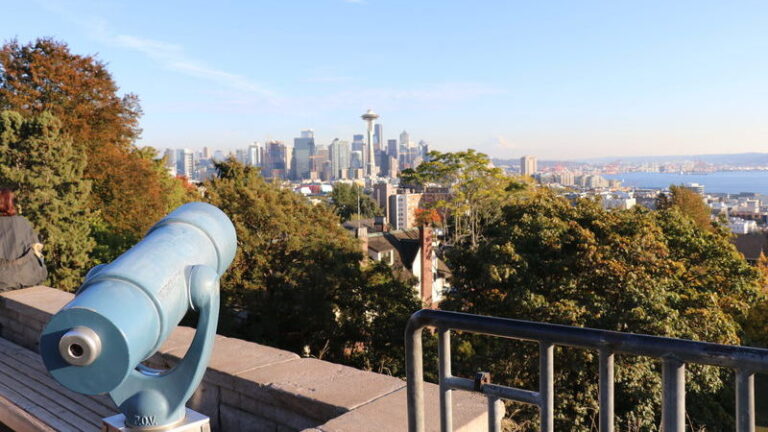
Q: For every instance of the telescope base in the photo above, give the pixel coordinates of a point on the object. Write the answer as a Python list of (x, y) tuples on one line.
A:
[(193, 422)]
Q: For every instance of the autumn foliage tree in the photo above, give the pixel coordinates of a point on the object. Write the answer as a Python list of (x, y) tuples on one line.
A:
[(129, 192)]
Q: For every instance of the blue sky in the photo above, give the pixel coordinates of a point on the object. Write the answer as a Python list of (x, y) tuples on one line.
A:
[(558, 79)]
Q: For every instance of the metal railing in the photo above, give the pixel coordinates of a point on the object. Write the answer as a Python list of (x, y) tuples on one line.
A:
[(674, 354)]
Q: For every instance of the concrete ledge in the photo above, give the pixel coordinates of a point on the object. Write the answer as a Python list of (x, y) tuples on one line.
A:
[(252, 387)]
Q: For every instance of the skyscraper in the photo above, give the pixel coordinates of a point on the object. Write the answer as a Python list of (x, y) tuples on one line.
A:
[(528, 165), (378, 137), (185, 162), (275, 159), (303, 150), (339, 154), (256, 154), (392, 150)]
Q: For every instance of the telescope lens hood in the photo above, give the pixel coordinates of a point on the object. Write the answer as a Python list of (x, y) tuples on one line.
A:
[(75, 360)]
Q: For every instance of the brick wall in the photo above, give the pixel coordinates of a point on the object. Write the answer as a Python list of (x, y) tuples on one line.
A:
[(252, 387)]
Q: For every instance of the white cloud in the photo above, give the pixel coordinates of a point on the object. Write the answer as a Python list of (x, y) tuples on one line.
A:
[(168, 55)]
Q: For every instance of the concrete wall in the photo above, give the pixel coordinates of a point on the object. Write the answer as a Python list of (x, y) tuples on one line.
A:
[(252, 387)]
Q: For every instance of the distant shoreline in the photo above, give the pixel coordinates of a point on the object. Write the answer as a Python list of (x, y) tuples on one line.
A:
[(731, 181)]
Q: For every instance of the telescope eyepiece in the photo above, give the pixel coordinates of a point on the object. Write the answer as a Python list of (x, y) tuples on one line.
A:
[(80, 346)]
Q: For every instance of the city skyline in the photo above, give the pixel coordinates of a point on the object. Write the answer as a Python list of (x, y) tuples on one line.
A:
[(561, 80)]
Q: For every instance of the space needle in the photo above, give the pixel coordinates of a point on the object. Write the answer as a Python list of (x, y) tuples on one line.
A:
[(369, 117)]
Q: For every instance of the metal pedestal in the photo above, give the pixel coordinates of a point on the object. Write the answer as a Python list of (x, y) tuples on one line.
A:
[(193, 422)]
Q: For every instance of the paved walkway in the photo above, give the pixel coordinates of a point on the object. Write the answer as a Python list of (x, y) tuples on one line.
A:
[(30, 400)]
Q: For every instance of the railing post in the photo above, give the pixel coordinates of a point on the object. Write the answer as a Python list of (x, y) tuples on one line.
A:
[(444, 355), (495, 414), (414, 371), (606, 391), (673, 396), (745, 401), (547, 386)]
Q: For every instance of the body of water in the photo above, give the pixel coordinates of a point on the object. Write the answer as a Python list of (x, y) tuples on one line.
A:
[(718, 182)]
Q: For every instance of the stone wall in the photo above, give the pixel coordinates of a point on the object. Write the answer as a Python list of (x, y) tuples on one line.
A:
[(252, 387)]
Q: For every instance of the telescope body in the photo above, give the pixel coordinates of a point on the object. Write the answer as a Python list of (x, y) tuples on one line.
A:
[(126, 309)]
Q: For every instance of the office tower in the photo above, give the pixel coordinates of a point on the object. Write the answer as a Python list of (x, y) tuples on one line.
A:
[(256, 154), (275, 159), (170, 157), (378, 137), (303, 150), (369, 155), (356, 159), (358, 143), (423, 150), (392, 150), (339, 155), (185, 162), (322, 155), (206, 153), (528, 165)]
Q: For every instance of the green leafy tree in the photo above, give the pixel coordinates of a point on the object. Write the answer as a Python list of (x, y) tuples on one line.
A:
[(42, 165), (477, 190), (344, 200), (637, 271), (296, 280)]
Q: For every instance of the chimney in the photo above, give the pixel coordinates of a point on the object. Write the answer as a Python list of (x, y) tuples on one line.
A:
[(361, 233), (425, 243)]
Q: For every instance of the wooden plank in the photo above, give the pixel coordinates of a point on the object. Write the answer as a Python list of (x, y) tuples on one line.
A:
[(33, 409), (33, 369), (19, 420), (51, 405)]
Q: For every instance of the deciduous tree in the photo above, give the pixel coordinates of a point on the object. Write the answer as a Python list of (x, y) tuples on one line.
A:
[(637, 271)]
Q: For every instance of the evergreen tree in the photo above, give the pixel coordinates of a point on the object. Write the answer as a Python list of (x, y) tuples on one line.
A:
[(46, 170)]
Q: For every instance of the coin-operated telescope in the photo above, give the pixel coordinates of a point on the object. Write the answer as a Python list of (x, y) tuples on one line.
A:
[(126, 309)]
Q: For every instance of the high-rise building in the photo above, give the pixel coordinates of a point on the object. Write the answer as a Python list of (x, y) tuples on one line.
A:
[(528, 165), (185, 163), (275, 159), (356, 159), (369, 155), (378, 137), (303, 150), (358, 142), (392, 150), (256, 154), (339, 155), (206, 153)]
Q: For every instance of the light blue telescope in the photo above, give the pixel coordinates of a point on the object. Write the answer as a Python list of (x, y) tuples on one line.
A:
[(126, 309)]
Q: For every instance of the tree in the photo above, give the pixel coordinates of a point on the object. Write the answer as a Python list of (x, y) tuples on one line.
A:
[(296, 280), (42, 165), (128, 191), (344, 200), (689, 202), (637, 271), (477, 190)]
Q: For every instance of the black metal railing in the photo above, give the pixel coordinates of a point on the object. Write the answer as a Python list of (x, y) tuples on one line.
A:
[(674, 354)]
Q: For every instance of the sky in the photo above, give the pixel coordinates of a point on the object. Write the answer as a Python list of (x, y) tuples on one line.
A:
[(555, 79)]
